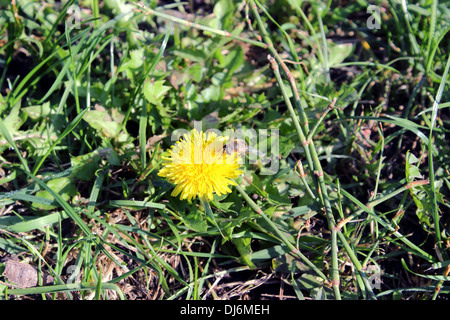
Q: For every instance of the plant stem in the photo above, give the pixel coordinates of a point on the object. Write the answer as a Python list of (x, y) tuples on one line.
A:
[(310, 150), (290, 77), (298, 128), (359, 268)]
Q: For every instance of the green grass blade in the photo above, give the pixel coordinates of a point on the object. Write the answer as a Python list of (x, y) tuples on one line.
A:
[(95, 191), (66, 66), (431, 147), (72, 125), (388, 226), (98, 286), (60, 17), (136, 204), (82, 286), (75, 216), (431, 35), (4, 131), (27, 224), (426, 276)]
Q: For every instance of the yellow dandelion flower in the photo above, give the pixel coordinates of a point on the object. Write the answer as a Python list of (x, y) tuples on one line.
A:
[(198, 166)]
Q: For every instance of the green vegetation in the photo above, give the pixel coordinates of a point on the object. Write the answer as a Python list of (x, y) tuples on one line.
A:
[(92, 91)]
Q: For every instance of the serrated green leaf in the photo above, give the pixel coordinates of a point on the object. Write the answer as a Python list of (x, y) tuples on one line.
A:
[(412, 172), (195, 221), (14, 119), (108, 123), (136, 58)]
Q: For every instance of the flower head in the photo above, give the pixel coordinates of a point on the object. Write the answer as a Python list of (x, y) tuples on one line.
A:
[(198, 166)]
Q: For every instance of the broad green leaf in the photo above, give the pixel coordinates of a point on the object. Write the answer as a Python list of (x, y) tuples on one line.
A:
[(136, 59), (271, 252), (132, 63), (308, 282), (107, 122), (74, 215), (243, 245), (38, 111), (223, 11), (85, 165), (411, 170), (423, 200), (211, 93), (338, 53), (154, 91), (63, 186), (195, 220), (288, 264), (14, 120), (196, 72), (233, 59), (29, 223), (421, 194)]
